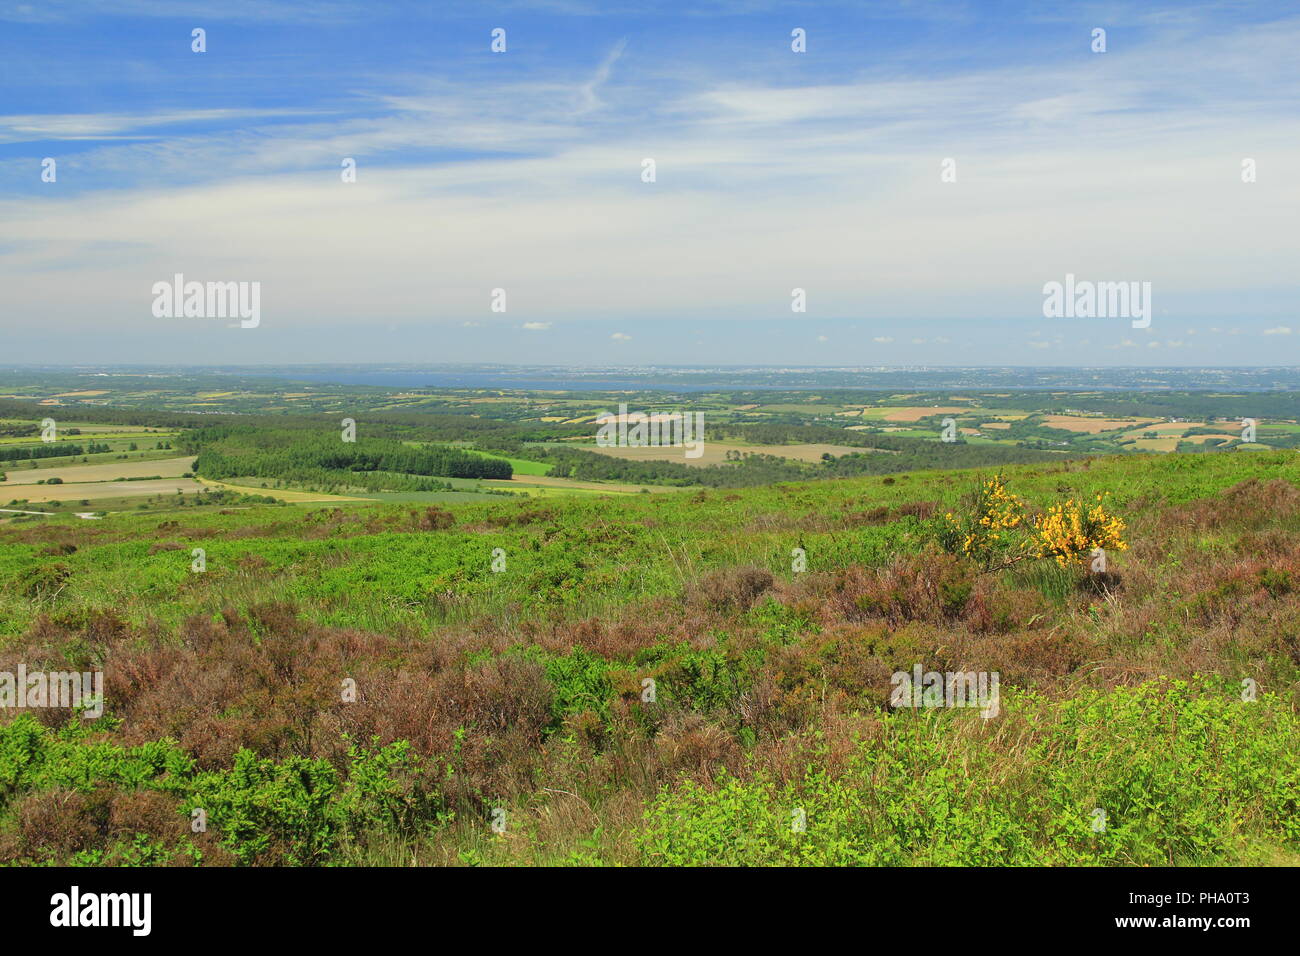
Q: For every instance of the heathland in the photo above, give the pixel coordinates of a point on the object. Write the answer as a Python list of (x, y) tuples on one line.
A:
[(704, 676)]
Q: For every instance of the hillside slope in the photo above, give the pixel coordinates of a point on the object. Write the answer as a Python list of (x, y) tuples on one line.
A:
[(653, 679)]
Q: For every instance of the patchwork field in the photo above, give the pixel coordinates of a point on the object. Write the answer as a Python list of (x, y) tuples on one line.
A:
[(1076, 423), (913, 413), (102, 489), (715, 453), (163, 468), (251, 487)]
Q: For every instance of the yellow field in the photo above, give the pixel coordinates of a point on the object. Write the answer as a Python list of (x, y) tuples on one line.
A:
[(1156, 444), (118, 431), (996, 425), (1201, 439), (716, 452), (913, 413), (1078, 423), (96, 482), (1174, 430), (162, 467), (101, 489)]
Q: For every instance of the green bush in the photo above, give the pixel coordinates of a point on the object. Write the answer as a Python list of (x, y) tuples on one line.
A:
[(581, 682), (297, 811), (1184, 775)]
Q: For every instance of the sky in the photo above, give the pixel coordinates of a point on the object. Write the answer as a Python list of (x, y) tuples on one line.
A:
[(921, 172)]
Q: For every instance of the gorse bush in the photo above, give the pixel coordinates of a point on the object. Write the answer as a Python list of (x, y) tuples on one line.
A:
[(996, 531), (985, 531), (1071, 531)]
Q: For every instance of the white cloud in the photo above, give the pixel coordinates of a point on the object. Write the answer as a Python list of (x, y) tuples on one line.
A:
[(22, 128), (1278, 330), (768, 181)]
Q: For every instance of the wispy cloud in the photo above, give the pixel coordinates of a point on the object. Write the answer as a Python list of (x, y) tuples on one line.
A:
[(775, 170)]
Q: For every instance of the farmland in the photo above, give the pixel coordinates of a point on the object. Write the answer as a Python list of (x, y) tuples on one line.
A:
[(434, 660)]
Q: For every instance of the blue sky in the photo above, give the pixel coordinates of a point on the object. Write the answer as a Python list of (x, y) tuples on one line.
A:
[(774, 171)]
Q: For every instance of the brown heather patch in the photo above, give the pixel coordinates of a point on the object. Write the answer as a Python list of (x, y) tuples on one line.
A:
[(148, 812), (1250, 504), (1042, 659), (51, 826), (993, 607), (56, 823), (930, 587), (829, 744), (433, 519), (658, 621), (843, 667), (729, 588), (786, 521), (691, 745)]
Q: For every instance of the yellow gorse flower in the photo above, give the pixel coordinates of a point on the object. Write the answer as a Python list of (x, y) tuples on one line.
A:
[(1067, 532)]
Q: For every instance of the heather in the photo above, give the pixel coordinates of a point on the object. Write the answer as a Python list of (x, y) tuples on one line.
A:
[(648, 680)]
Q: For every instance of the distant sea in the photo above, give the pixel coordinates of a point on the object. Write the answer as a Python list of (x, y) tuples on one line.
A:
[(553, 378), (491, 379)]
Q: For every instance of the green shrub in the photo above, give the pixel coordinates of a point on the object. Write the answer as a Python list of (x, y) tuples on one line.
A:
[(581, 682), (265, 809), (297, 811), (1184, 776)]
